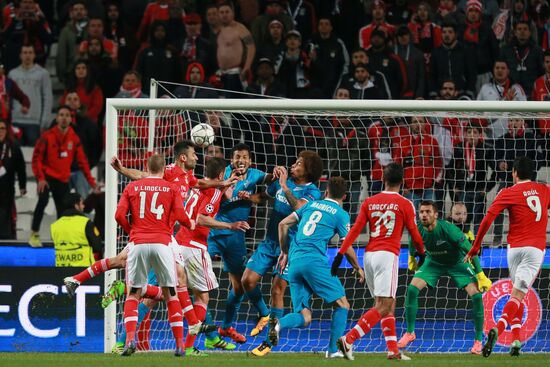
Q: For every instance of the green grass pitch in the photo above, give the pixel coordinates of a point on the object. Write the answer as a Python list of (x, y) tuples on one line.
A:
[(272, 360)]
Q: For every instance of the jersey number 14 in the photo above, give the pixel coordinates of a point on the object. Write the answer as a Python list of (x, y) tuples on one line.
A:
[(157, 210)]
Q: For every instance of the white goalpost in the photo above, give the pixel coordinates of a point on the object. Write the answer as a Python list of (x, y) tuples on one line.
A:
[(355, 138)]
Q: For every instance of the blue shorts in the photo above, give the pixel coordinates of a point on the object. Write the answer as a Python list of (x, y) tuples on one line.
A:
[(152, 278), (231, 248), (309, 277), (265, 259)]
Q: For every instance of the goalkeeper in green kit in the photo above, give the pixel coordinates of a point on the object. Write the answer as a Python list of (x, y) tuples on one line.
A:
[(446, 247)]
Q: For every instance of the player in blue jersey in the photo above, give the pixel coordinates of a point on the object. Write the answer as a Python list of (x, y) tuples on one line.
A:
[(288, 195), (309, 270), (231, 246)]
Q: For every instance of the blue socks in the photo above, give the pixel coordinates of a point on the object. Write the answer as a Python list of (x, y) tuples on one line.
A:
[(142, 312), (292, 320), (337, 327), (231, 308), (257, 300)]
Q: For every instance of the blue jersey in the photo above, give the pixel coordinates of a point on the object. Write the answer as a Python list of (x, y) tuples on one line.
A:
[(281, 207), (234, 209), (319, 221)]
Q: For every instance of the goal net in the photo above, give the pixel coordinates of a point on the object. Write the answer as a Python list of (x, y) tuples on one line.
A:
[(452, 152)]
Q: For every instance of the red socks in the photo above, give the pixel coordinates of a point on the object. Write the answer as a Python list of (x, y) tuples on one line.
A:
[(200, 311), (187, 306), (130, 318), (388, 328), (153, 292), (508, 313), (175, 318), (364, 325), (516, 322), (93, 270)]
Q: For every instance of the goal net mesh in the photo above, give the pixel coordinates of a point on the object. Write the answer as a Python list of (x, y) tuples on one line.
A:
[(448, 157)]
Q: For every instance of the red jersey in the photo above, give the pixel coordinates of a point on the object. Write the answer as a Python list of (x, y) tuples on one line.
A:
[(541, 92), (154, 204), (185, 180), (387, 214), (205, 202), (527, 204), (421, 160), (366, 31)]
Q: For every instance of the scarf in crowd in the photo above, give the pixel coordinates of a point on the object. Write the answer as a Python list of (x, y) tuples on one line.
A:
[(189, 51), (470, 155), (4, 99), (471, 34), (133, 92)]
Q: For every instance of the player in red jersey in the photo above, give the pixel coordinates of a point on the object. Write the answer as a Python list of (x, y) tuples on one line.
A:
[(387, 214), (202, 206), (154, 204), (180, 173), (527, 203)]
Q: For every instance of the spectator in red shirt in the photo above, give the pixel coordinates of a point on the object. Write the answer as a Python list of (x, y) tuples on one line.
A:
[(51, 164), (420, 157), (541, 92), (82, 82), (378, 22), (154, 11)]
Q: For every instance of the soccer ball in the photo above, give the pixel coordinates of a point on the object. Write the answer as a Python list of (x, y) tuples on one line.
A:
[(202, 135)]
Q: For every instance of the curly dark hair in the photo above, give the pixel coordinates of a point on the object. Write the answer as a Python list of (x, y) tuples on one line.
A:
[(313, 165)]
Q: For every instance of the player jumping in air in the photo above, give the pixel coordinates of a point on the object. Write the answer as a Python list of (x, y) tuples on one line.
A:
[(154, 204), (289, 194), (231, 246), (527, 203), (387, 214), (446, 246), (181, 174), (309, 271), (202, 206)]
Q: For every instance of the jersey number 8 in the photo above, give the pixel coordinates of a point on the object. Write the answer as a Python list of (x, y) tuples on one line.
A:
[(311, 223)]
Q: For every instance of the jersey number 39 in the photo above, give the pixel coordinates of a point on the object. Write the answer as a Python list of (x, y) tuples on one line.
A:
[(386, 219)]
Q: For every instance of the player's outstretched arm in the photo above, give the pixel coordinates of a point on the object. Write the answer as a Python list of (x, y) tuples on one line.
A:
[(257, 199), (483, 228), (355, 230), (132, 174), (207, 221)]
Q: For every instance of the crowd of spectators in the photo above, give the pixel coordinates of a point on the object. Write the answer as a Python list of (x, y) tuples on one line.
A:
[(349, 49)]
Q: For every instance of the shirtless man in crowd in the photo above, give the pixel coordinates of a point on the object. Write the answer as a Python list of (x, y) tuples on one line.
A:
[(234, 44)]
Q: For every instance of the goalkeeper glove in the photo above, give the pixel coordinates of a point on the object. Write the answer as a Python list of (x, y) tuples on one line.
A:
[(483, 283), (421, 259), (336, 264), (413, 264)]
